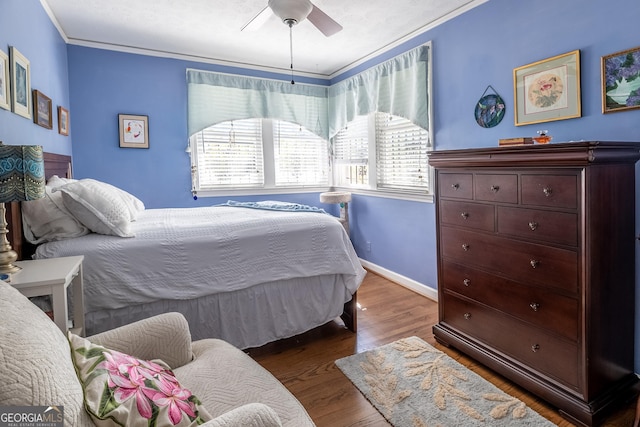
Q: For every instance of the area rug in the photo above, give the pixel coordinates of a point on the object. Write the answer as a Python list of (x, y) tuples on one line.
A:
[(413, 384)]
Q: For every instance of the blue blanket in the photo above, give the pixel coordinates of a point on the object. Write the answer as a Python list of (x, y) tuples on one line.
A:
[(273, 205)]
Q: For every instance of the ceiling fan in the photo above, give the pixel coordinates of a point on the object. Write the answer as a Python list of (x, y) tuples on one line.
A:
[(292, 12)]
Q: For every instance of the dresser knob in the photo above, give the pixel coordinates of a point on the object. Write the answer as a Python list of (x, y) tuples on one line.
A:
[(533, 225), (534, 306), (455, 186), (547, 191), (465, 246), (467, 316), (535, 347), (466, 282), (495, 188), (464, 215), (534, 263)]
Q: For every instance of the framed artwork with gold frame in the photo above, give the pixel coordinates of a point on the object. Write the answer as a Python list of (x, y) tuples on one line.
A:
[(547, 90)]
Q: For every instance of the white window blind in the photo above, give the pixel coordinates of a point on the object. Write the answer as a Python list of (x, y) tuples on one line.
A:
[(401, 150), (229, 155), (301, 157), (351, 153)]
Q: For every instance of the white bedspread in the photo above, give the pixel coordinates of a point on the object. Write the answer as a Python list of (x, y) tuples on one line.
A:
[(182, 254)]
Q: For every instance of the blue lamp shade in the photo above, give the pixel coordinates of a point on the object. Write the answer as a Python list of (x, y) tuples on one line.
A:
[(21, 173)]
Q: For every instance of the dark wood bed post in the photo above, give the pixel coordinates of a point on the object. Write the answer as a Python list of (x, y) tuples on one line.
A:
[(350, 313)]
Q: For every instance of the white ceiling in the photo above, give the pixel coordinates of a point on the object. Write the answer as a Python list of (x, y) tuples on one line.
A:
[(209, 30)]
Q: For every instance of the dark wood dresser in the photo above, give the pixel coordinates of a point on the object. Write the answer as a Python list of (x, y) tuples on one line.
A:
[(536, 253)]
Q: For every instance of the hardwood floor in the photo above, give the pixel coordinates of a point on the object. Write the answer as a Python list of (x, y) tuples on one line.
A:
[(305, 363)]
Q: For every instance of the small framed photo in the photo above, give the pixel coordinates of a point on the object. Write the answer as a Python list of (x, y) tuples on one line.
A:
[(548, 90), (621, 81), (20, 84), (134, 131), (42, 114), (63, 121), (5, 94)]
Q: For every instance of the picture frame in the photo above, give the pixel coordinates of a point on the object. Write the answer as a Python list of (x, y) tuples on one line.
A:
[(5, 76), (621, 81), (20, 83), (547, 90), (134, 131), (63, 121), (42, 110)]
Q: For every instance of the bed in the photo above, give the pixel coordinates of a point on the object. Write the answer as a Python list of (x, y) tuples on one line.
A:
[(249, 276)]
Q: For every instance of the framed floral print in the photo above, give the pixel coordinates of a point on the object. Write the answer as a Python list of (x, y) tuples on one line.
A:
[(621, 81), (548, 90)]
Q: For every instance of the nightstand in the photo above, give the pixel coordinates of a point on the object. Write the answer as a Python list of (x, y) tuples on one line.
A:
[(53, 276)]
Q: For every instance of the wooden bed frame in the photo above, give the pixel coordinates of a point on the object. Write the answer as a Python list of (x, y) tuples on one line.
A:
[(59, 164)]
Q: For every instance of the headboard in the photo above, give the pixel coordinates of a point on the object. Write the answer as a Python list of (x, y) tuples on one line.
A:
[(54, 164)]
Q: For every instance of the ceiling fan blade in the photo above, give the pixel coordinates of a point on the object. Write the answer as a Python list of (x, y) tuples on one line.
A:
[(258, 21), (323, 22)]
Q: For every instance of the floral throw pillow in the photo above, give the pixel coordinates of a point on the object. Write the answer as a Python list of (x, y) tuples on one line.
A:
[(121, 390)]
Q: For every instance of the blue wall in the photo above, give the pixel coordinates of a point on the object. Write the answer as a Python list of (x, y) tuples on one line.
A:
[(470, 52), (26, 26)]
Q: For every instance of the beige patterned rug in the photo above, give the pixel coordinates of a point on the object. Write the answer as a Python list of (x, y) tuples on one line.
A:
[(413, 384)]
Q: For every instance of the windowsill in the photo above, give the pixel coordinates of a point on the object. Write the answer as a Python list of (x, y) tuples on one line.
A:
[(426, 198)]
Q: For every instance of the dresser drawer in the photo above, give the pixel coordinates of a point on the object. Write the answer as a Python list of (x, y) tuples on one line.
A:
[(519, 261), (496, 188), (541, 307), (548, 226), (455, 185), (468, 214), (530, 346), (559, 191)]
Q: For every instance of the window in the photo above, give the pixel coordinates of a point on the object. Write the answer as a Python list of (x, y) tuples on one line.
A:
[(301, 157), (383, 152), (229, 155), (258, 153), (351, 154)]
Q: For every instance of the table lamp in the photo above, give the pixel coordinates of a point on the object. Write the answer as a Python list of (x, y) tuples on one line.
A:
[(21, 180), (343, 198)]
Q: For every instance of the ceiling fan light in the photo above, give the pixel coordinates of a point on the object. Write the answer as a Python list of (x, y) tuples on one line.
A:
[(291, 10)]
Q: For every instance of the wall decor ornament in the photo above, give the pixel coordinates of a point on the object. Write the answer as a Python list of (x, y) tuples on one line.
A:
[(63, 121), (490, 109), (134, 131), (42, 110), (20, 83), (547, 90), (621, 81), (5, 94)]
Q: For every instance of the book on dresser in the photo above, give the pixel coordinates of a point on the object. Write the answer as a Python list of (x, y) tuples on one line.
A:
[(536, 267)]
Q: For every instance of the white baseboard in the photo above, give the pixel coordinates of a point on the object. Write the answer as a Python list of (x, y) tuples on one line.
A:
[(408, 283)]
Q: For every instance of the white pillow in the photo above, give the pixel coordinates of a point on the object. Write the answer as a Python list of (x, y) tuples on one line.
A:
[(97, 207), (55, 181), (134, 204), (47, 219)]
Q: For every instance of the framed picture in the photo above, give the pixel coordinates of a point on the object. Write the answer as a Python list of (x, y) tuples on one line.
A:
[(547, 90), (5, 94), (621, 81), (42, 114), (63, 121), (20, 84), (134, 131)]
